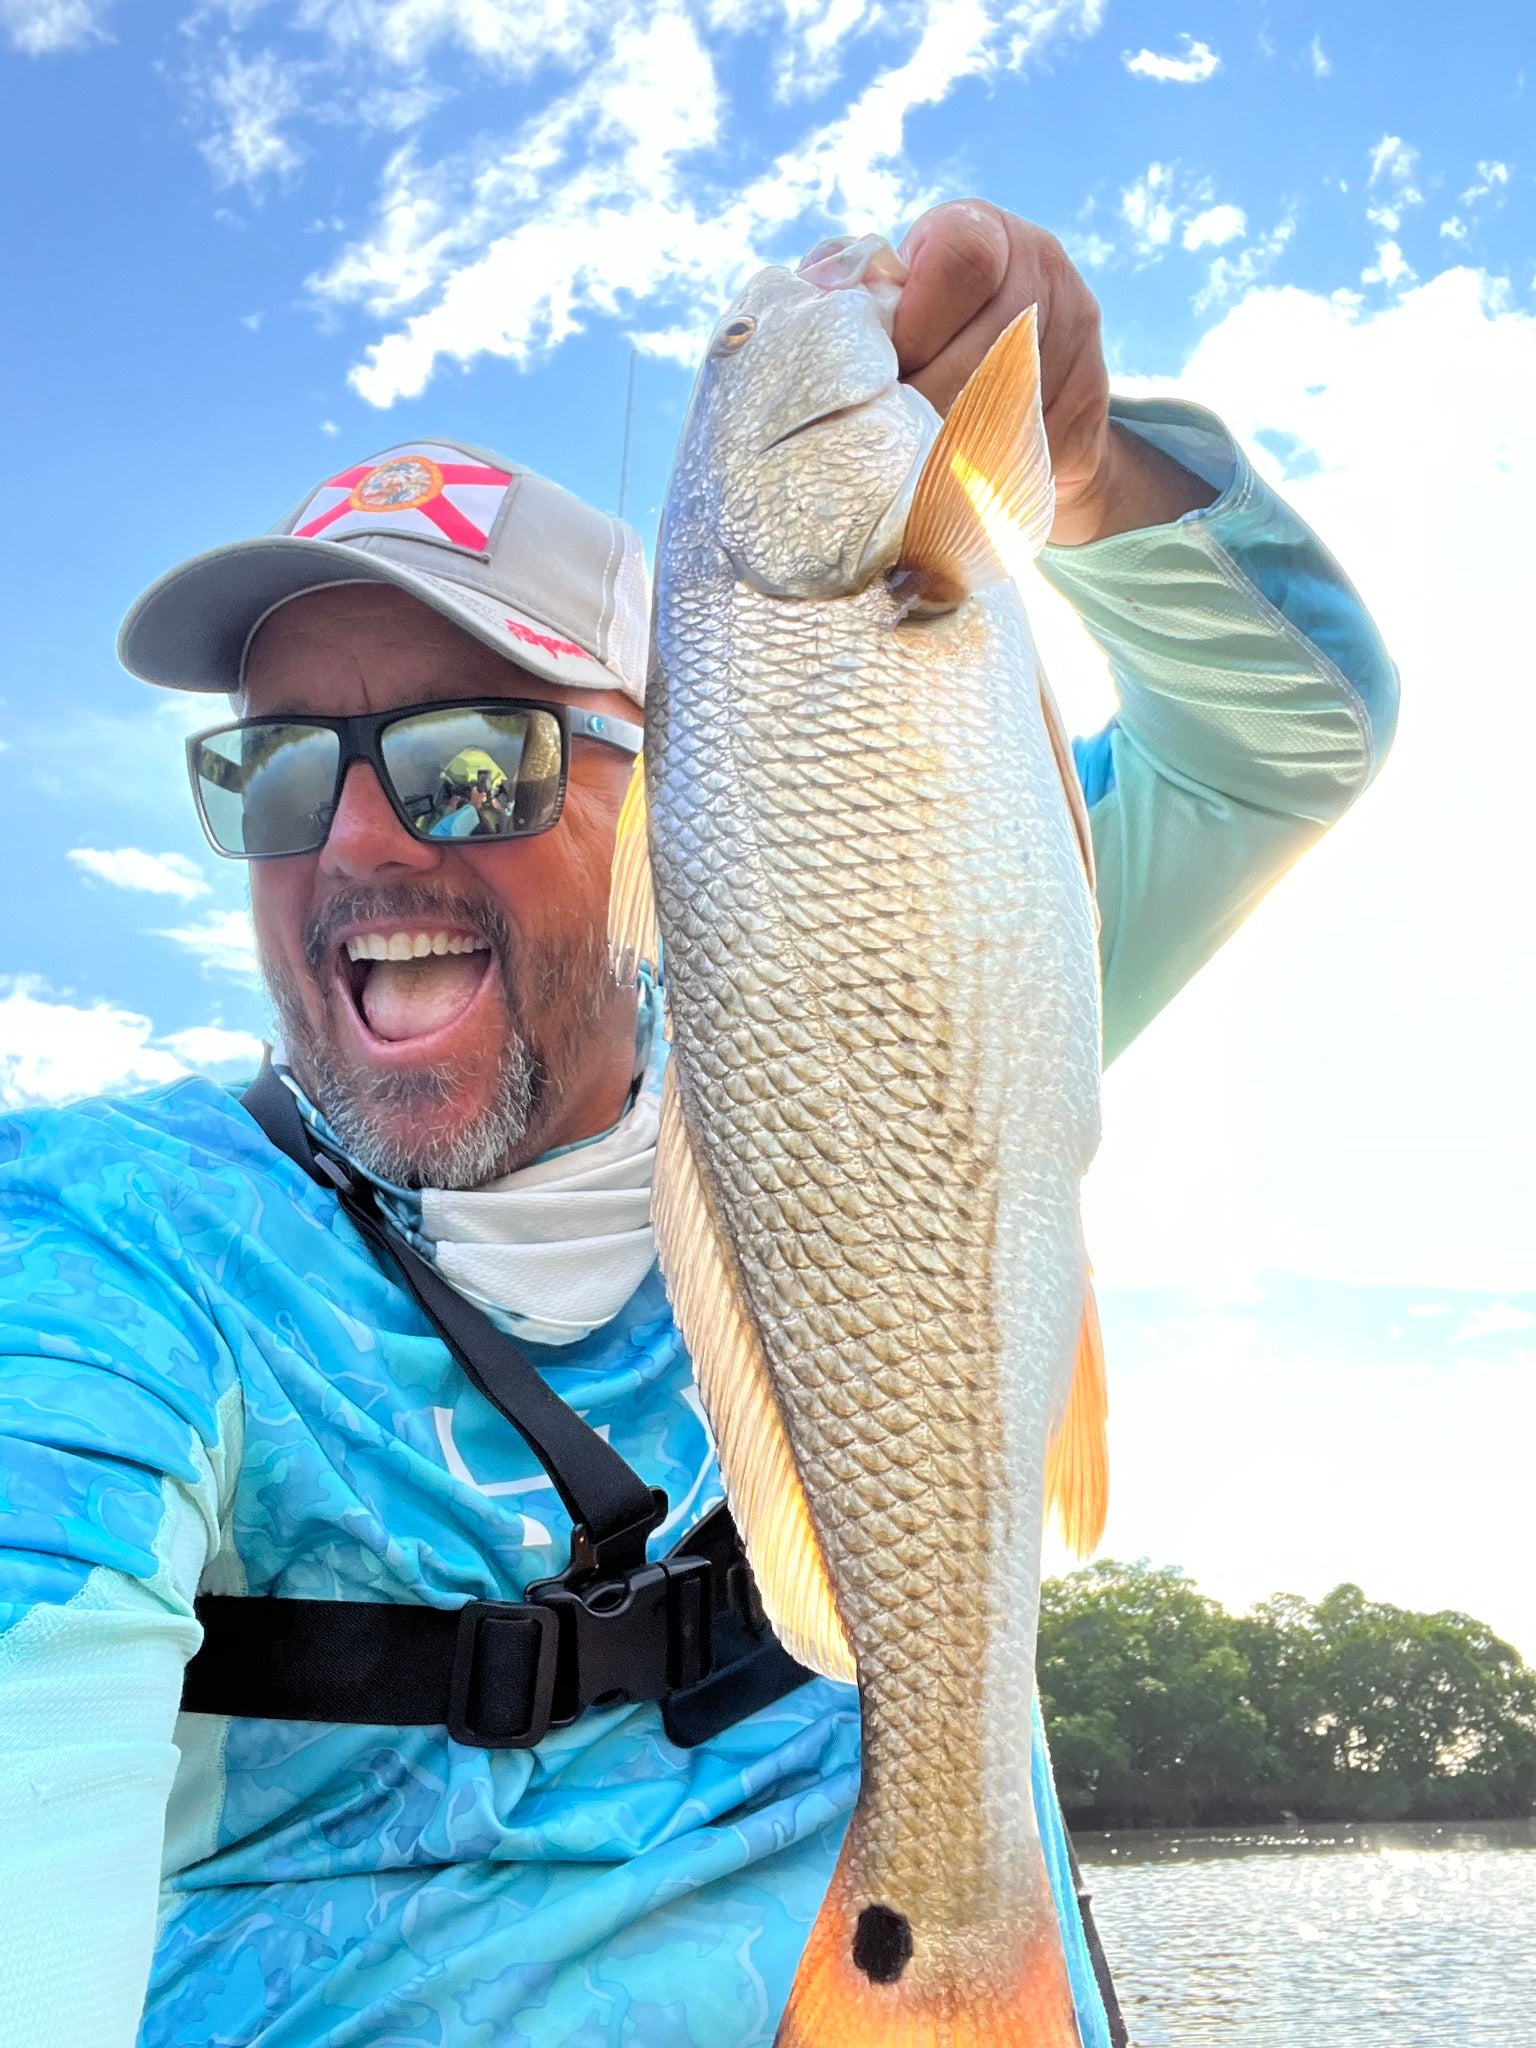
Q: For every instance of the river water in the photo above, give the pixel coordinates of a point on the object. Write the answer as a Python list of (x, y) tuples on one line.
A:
[(1394, 1936)]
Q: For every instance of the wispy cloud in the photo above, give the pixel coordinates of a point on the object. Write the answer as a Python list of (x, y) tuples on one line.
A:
[(157, 874), (249, 100), (54, 1049), (47, 28), (222, 944), (1194, 66), (608, 201), (1146, 208), (1230, 276), (1393, 176), (1492, 178), (1318, 58)]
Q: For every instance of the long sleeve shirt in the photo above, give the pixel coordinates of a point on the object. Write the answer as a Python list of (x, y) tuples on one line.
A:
[(208, 1383)]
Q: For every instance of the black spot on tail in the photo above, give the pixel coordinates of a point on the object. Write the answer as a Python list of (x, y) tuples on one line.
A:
[(882, 1944)]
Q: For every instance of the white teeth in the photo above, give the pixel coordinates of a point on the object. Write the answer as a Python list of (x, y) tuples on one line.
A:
[(409, 945)]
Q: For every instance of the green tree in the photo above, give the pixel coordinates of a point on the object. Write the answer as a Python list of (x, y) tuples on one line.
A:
[(1165, 1710), (1146, 1695), (1378, 1713)]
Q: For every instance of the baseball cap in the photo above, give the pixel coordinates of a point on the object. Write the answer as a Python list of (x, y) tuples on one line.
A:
[(511, 557)]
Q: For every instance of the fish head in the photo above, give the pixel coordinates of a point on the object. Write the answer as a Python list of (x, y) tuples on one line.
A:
[(801, 446)]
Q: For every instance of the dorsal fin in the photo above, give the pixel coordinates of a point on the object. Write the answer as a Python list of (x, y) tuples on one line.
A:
[(633, 934), (987, 480)]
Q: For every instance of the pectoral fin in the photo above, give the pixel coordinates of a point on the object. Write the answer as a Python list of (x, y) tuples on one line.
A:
[(756, 1459), (985, 492), (1077, 1460), (633, 934)]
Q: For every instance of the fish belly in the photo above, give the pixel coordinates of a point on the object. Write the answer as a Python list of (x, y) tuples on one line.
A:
[(882, 972)]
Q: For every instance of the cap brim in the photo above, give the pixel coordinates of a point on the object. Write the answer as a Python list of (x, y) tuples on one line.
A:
[(190, 630)]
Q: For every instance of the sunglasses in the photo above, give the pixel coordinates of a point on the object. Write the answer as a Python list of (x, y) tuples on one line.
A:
[(472, 771)]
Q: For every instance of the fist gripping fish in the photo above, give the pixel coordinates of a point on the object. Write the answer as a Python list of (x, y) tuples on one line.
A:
[(869, 855)]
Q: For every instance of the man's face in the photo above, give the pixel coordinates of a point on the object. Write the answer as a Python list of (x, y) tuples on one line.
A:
[(446, 1068)]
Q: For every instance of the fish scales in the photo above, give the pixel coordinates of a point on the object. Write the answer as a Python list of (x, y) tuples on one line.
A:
[(882, 981)]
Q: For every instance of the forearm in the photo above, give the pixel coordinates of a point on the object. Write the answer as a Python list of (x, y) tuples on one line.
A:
[(1137, 486), (1256, 703), (89, 1696)]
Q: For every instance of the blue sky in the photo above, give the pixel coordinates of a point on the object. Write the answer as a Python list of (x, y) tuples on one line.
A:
[(247, 243)]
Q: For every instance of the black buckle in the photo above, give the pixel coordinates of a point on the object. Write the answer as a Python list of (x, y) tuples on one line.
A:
[(504, 1663), (636, 1636)]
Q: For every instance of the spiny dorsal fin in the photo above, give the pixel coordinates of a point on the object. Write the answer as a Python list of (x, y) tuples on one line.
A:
[(633, 935), (985, 490), (1077, 1461), (756, 1460)]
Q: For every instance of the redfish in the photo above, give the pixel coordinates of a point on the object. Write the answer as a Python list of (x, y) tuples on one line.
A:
[(871, 874)]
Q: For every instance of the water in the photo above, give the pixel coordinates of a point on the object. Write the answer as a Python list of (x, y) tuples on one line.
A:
[(1395, 1936)]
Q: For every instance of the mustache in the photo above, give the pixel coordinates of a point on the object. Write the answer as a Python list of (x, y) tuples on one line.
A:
[(407, 902)]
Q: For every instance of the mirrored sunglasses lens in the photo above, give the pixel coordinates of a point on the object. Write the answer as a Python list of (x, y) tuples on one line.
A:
[(267, 788), (476, 775)]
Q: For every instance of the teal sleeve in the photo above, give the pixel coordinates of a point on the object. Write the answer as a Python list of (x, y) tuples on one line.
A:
[(112, 1444), (1256, 703)]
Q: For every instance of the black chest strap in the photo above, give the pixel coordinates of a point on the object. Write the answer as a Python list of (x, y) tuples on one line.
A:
[(687, 1631)]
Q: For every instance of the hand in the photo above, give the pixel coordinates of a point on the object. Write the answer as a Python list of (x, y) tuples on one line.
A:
[(973, 269)]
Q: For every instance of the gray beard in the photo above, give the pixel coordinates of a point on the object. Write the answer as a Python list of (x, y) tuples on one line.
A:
[(359, 1113), (359, 1107)]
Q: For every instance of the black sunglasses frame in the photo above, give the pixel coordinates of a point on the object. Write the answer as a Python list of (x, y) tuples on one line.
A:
[(360, 738)]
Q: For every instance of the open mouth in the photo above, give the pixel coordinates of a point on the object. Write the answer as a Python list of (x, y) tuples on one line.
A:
[(408, 987)]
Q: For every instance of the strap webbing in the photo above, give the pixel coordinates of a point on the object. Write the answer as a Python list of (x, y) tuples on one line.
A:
[(498, 1674), (602, 1494)]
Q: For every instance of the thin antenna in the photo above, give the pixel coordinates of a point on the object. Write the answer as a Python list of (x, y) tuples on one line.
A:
[(629, 414)]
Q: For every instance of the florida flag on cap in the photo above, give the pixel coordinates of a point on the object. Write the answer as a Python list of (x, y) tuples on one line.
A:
[(424, 491)]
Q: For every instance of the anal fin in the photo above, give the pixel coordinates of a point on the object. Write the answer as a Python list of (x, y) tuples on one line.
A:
[(756, 1459), (1077, 1459)]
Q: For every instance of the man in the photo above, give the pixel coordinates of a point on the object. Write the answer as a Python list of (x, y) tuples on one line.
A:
[(213, 1384)]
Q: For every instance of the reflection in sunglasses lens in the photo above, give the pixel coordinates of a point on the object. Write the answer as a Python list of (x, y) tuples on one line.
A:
[(465, 774), (267, 788)]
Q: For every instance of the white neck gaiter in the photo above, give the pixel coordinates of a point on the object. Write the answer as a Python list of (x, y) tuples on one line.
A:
[(556, 1249)]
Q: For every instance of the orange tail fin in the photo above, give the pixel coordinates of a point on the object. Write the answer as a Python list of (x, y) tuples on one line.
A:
[(868, 1979)]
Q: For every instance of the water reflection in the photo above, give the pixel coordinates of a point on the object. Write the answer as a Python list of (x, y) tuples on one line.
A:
[(1383, 1936)]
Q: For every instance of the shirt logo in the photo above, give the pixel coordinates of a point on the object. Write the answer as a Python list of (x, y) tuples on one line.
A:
[(421, 492)]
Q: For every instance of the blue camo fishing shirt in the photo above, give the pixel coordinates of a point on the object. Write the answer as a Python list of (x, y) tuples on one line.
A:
[(207, 1383)]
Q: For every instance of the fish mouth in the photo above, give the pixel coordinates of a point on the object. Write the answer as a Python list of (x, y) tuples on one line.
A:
[(829, 415)]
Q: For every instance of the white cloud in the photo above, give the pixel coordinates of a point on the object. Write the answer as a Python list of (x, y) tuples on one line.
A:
[(330, 429), (1229, 276), (158, 874), (250, 99), (212, 1045), (222, 943), (1338, 1093), (44, 28), (1317, 56), (1198, 63), (1214, 227), (1492, 176), (1393, 161), (1146, 209), (54, 1050), (1391, 267), (1454, 229), (601, 203)]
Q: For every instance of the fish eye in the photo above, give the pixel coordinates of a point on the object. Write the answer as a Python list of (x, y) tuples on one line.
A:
[(734, 333)]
